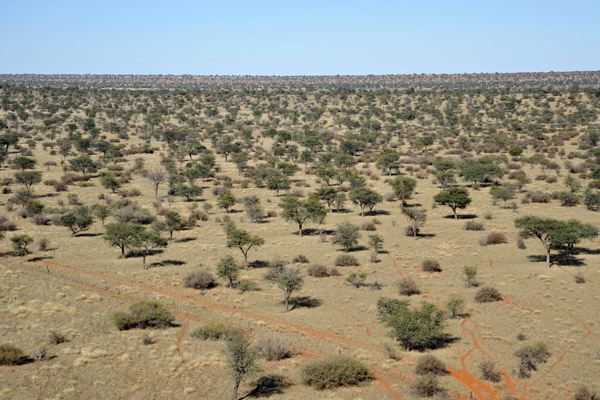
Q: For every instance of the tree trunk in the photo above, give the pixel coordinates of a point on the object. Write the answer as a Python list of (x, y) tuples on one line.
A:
[(300, 230), (144, 260), (245, 259), (235, 391), (287, 298), (548, 258), (455, 215), (123, 252)]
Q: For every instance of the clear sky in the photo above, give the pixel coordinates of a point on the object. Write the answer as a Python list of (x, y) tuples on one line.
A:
[(255, 37)]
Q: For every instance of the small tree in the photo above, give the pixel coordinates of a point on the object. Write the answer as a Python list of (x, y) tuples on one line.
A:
[(403, 188), (101, 212), (76, 223), (416, 219), (388, 161), (454, 197), (289, 280), (146, 241), (110, 182), (20, 243), (156, 178), (243, 240), (376, 242), (83, 164), (225, 201), (228, 269), (347, 235), (298, 211), (172, 223), (122, 235), (365, 197), (28, 178), (241, 359)]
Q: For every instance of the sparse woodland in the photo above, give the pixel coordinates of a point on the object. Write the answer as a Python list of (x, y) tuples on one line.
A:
[(286, 242)]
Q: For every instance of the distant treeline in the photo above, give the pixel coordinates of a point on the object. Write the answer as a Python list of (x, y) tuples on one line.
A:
[(522, 80)]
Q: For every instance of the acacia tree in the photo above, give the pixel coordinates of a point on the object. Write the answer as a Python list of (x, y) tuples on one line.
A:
[(228, 269), (388, 161), (551, 233), (243, 240), (298, 211), (122, 235), (226, 201), (28, 178), (416, 219), (454, 197), (289, 280), (403, 188), (146, 241), (365, 197)]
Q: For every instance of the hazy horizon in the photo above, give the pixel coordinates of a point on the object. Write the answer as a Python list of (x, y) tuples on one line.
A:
[(267, 38)]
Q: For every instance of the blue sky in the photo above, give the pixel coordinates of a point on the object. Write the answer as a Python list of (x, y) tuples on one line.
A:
[(298, 37)]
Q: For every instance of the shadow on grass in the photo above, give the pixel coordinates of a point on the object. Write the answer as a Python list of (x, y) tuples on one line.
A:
[(310, 231), (88, 234), (166, 263), (558, 259), (259, 264), (376, 212), (304, 302), (41, 258), (268, 385), (185, 240), (134, 253), (461, 216)]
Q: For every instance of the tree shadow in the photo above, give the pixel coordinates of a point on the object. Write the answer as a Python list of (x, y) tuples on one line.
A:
[(166, 263), (412, 205), (304, 302), (41, 258), (185, 240), (88, 234), (461, 216), (558, 259), (137, 253), (268, 385), (310, 231), (356, 248), (259, 264), (425, 235), (584, 250), (377, 212)]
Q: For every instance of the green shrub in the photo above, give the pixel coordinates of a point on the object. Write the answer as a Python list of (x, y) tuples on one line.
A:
[(145, 314), (212, 331), (11, 355), (487, 294), (419, 328), (300, 259), (431, 266), (474, 226), (346, 260), (470, 276), (455, 305), (429, 364), (334, 371), (246, 285)]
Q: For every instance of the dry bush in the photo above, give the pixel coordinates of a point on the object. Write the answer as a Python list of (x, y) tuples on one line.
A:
[(429, 364), (488, 371), (346, 260), (474, 226), (318, 271), (212, 331), (431, 266), (487, 294), (273, 348), (407, 286), (579, 278), (11, 355), (426, 386), (56, 338), (144, 314), (583, 393), (200, 280), (492, 238)]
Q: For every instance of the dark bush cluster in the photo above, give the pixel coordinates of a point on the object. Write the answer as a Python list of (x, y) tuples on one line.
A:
[(530, 357), (488, 371), (407, 286)]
